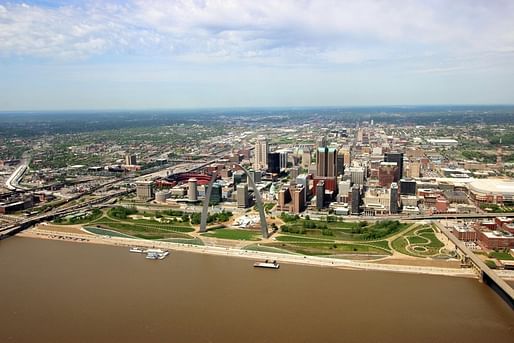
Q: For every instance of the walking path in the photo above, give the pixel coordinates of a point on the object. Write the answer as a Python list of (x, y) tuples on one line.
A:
[(83, 237)]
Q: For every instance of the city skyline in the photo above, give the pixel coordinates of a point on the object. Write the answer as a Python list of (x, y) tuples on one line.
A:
[(61, 55)]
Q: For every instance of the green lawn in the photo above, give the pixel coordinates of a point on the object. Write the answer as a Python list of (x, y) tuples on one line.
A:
[(294, 238), (318, 248), (423, 243), (237, 234), (500, 255)]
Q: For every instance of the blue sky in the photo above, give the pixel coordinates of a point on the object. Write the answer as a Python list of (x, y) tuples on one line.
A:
[(179, 54)]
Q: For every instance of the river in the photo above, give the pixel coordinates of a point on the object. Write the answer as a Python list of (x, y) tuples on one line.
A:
[(54, 291)]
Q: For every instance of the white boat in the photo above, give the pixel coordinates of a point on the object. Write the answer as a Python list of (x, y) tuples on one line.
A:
[(137, 250), (153, 255), (267, 264)]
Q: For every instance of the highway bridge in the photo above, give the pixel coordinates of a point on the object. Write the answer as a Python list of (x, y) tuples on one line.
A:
[(487, 275)]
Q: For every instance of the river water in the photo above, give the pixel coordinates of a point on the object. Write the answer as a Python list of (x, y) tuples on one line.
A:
[(55, 291)]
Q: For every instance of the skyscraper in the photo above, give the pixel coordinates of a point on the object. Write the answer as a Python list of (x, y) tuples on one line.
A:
[(261, 153), (130, 160), (144, 190), (394, 198), (398, 158), (320, 194), (242, 195), (356, 199), (192, 193), (387, 173), (274, 162), (326, 162)]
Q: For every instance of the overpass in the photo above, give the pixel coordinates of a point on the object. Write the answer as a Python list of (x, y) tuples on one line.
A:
[(487, 275)]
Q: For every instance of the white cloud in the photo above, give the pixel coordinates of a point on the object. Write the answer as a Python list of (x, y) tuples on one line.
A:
[(264, 31)]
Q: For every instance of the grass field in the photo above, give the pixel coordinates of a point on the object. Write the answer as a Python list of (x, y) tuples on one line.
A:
[(419, 242), (318, 248), (236, 234)]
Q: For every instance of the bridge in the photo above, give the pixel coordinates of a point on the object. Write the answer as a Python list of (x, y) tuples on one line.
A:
[(487, 275)]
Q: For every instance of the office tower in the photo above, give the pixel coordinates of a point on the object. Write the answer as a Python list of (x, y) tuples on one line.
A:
[(320, 194), (302, 180), (284, 197), (407, 187), (413, 169), (130, 160), (283, 159), (356, 199), (216, 193), (340, 163), (293, 173), (261, 153), (242, 195), (326, 162), (398, 158), (299, 198), (274, 162), (256, 175), (192, 192), (144, 190), (306, 158), (343, 190), (357, 175), (394, 198), (321, 141), (387, 173)]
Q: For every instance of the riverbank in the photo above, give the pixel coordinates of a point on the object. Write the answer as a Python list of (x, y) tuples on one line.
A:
[(81, 236)]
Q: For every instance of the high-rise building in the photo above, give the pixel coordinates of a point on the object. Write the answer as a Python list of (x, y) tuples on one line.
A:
[(356, 199), (343, 190), (284, 197), (274, 162), (320, 195), (394, 198), (144, 190), (357, 175), (306, 158), (326, 162), (302, 180), (321, 141), (216, 193), (407, 187), (398, 158), (192, 192), (294, 172), (387, 173), (242, 195), (130, 160), (283, 159), (261, 153), (298, 198), (340, 163)]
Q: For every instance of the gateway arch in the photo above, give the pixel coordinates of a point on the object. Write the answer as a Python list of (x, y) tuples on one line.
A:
[(258, 202)]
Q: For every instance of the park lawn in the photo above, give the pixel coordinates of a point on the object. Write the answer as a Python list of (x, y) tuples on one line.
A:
[(236, 234), (500, 255), (417, 240), (400, 245), (105, 232), (294, 238), (434, 242), (133, 230), (329, 248)]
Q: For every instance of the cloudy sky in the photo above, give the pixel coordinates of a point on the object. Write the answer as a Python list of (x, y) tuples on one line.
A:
[(213, 53)]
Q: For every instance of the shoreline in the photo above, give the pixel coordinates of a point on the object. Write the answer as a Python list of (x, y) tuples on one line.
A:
[(247, 254)]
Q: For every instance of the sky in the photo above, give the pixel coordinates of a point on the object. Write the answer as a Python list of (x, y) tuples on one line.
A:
[(150, 54)]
